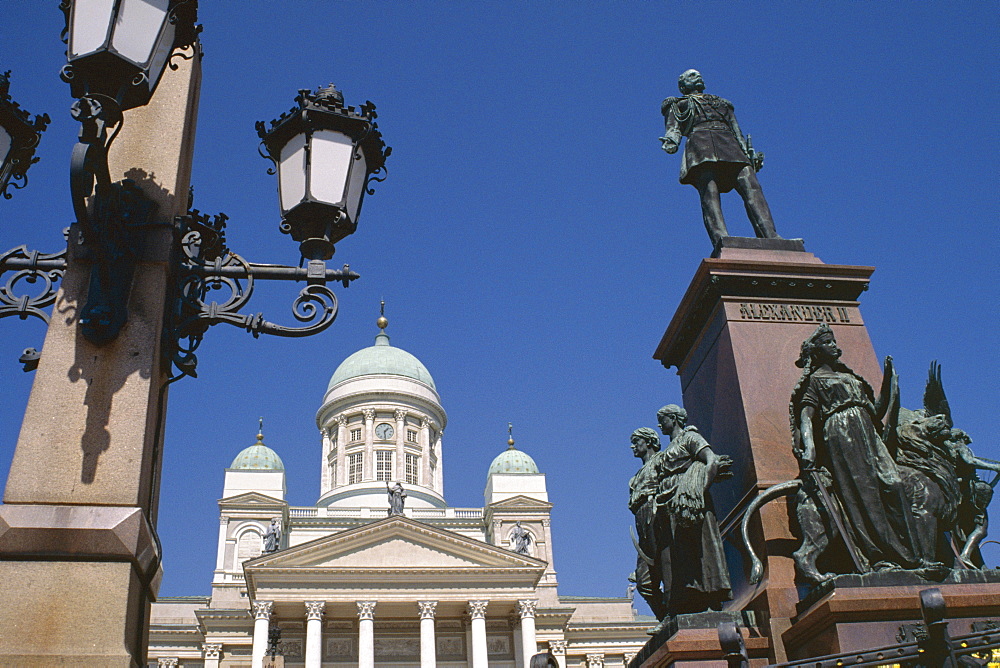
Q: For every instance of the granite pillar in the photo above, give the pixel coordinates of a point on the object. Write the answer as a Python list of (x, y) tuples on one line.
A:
[(734, 340), (78, 559)]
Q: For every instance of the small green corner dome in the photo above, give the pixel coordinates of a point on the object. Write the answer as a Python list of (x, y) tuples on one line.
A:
[(258, 457), (379, 359), (513, 460)]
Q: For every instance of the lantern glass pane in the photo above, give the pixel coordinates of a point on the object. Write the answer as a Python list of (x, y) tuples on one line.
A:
[(359, 175), (292, 172), (330, 163), (139, 24), (89, 26), (5, 142)]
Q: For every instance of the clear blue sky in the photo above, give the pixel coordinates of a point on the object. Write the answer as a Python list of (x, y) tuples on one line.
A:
[(532, 241)]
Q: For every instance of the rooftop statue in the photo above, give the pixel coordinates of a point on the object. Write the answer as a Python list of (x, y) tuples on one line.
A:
[(681, 567), (272, 539), (717, 158), (520, 539), (396, 498)]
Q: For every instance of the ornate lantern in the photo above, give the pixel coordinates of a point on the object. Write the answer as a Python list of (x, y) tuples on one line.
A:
[(119, 48), (19, 136), (326, 155)]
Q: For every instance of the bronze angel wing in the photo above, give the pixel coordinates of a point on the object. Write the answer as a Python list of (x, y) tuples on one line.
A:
[(935, 402)]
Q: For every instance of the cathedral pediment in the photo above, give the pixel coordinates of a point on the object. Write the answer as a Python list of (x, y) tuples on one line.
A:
[(395, 550), (251, 499), (395, 542), (520, 502)]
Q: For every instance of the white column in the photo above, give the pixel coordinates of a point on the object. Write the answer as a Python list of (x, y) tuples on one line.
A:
[(428, 650), (477, 611), (341, 447), (400, 457), (324, 477), (167, 662), (369, 457), (526, 608), (595, 660), (424, 440), (261, 622), (366, 634), (314, 633), (558, 650), (439, 472), (220, 559), (212, 652), (515, 629)]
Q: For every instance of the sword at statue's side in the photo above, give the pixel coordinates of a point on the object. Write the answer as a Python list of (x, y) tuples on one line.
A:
[(834, 509), (635, 541)]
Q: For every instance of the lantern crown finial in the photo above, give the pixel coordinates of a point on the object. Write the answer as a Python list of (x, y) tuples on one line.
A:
[(329, 96)]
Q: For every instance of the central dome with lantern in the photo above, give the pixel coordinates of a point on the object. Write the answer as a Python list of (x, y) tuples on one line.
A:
[(381, 422)]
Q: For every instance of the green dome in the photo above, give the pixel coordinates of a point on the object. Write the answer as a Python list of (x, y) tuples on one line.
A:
[(513, 460), (258, 457), (381, 359)]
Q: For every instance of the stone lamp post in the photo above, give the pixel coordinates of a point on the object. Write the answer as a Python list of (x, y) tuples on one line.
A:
[(79, 555)]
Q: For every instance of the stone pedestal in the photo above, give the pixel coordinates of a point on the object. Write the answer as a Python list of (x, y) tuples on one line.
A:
[(693, 640), (734, 340), (861, 612), (79, 561)]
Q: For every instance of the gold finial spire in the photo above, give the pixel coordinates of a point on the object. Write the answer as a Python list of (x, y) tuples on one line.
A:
[(382, 321), (510, 436), (260, 430)]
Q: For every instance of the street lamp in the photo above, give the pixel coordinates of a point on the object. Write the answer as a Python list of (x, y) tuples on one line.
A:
[(326, 155), (19, 135), (141, 260), (118, 49)]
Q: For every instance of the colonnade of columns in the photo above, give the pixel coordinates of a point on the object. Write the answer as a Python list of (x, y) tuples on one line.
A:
[(314, 611)]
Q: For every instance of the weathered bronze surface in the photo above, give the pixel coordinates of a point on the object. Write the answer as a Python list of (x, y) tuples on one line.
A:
[(874, 497), (681, 567), (717, 157)]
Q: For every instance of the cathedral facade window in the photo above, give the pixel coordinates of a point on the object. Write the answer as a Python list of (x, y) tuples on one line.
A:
[(411, 435), (355, 435), (354, 467), (383, 465), (412, 466), (248, 546)]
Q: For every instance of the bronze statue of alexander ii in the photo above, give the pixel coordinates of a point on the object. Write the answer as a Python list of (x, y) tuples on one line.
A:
[(717, 158)]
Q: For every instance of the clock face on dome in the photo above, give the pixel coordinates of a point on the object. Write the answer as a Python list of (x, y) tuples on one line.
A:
[(384, 431)]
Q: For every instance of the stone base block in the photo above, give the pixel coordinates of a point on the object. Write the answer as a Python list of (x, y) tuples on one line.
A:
[(852, 617), (693, 640), (71, 613)]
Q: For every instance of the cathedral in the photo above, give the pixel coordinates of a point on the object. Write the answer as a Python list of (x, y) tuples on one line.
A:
[(381, 571)]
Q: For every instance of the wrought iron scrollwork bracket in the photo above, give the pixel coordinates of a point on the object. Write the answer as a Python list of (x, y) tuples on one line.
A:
[(111, 225), (42, 269), (206, 265)]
